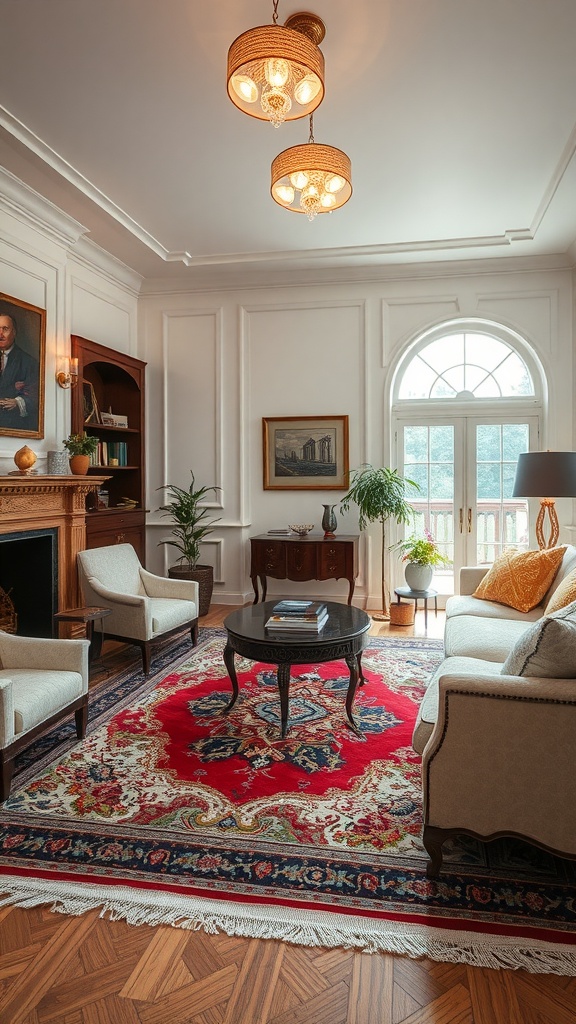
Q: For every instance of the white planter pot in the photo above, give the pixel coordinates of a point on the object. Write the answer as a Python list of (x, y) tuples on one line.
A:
[(418, 577)]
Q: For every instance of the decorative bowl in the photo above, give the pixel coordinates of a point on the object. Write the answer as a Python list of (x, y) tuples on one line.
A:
[(301, 528)]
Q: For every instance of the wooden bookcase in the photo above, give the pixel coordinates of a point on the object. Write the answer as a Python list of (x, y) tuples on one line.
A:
[(117, 382)]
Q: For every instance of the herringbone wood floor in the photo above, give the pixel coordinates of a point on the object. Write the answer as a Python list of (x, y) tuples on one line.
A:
[(88, 970)]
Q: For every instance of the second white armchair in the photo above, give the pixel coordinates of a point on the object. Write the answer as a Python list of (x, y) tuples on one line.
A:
[(145, 608)]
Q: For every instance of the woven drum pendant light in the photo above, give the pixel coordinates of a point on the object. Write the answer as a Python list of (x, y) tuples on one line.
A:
[(311, 178), (275, 72)]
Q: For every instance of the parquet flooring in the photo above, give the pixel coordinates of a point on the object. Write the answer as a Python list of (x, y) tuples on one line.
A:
[(56, 969)]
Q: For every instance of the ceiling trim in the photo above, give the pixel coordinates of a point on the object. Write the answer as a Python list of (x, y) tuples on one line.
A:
[(383, 251)]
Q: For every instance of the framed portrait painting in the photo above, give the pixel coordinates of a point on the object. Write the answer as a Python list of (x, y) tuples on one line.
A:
[(305, 453), (22, 356)]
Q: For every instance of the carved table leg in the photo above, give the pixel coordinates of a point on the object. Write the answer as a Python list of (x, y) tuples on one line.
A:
[(264, 585), (230, 668), (351, 590), (352, 662), (255, 586), (283, 678)]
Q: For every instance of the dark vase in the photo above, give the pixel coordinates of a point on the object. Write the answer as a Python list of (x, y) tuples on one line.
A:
[(329, 520)]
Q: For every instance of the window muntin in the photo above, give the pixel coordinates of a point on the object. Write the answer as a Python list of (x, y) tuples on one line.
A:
[(469, 364)]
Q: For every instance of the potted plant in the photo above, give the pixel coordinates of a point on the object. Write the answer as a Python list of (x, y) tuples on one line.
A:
[(80, 447), (380, 495), (191, 525), (421, 555)]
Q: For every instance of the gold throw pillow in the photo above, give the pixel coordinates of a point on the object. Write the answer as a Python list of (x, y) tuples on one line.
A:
[(520, 579), (564, 594)]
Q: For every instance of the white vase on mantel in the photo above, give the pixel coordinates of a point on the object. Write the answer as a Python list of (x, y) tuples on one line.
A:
[(418, 577)]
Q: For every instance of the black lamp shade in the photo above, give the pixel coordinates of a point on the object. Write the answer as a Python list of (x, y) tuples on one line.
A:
[(545, 475)]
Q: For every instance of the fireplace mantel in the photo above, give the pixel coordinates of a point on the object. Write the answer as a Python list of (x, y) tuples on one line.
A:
[(54, 502)]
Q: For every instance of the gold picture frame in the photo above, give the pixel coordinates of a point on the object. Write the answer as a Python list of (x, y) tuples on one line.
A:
[(305, 453)]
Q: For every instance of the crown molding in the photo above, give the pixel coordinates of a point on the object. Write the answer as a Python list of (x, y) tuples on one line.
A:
[(36, 211), (89, 254)]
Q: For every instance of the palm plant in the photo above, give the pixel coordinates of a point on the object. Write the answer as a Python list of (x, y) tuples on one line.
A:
[(189, 518), (380, 495)]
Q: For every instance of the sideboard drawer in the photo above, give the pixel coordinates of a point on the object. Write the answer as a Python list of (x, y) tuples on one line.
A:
[(301, 561), (332, 559), (269, 556)]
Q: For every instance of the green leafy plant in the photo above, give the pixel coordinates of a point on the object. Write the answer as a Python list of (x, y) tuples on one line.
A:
[(422, 550), (191, 523), (380, 495), (81, 444)]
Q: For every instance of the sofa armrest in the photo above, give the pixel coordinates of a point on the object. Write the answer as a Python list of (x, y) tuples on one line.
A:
[(501, 758), (471, 576)]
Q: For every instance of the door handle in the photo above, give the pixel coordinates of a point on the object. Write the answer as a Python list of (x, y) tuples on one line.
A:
[(461, 517), (469, 520)]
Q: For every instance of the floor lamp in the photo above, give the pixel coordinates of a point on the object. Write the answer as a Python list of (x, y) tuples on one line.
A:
[(546, 473)]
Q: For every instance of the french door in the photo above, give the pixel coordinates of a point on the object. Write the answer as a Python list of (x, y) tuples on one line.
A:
[(465, 468)]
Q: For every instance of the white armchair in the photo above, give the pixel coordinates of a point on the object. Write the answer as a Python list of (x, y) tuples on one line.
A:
[(41, 682), (145, 608)]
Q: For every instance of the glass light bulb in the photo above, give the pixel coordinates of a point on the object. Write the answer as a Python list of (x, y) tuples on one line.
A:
[(334, 183), (285, 193), (299, 179), (245, 88), (328, 200), (307, 89), (276, 105), (277, 72)]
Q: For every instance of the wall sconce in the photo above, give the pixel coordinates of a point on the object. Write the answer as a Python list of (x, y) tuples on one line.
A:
[(67, 377)]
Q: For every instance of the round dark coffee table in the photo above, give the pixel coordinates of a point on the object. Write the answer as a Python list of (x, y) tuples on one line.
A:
[(344, 636)]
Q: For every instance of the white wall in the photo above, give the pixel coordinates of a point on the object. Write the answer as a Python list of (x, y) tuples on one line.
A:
[(46, 261), (221, 360)]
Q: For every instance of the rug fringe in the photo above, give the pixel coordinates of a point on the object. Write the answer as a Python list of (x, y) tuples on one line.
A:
[(299, 927)]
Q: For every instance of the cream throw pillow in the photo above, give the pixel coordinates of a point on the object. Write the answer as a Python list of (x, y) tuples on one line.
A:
[(564, 594), (547, 648), (520, 579)]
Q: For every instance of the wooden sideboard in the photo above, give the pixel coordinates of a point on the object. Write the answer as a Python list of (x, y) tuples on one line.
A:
[(303, 558)]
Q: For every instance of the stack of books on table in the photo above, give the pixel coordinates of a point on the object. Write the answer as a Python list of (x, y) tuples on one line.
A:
[(297, 617)]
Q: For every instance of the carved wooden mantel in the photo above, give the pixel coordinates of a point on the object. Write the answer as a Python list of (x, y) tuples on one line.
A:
[(51, 502)]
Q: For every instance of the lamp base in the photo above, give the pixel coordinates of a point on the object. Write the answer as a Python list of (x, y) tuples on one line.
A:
[(547, 506)]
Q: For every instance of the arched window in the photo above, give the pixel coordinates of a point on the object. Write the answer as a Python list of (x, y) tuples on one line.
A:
[(466, 401), (465, 365)]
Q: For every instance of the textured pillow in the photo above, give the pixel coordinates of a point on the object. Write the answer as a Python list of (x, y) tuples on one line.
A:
[(520, 578), (547, 648), (564, 594)]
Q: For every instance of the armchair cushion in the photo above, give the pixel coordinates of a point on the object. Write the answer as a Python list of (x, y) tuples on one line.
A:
[(169, 614), (547, 648), (37, 695)]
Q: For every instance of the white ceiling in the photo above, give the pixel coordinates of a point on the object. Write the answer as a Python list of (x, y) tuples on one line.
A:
[(458, 116)]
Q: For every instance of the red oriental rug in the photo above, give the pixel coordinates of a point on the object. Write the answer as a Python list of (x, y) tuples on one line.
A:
[(171, 812)]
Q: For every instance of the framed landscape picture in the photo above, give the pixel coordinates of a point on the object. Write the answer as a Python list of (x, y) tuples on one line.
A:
[(22, 354), (305, 453)]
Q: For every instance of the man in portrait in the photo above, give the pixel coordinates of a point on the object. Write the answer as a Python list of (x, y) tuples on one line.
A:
[(19, 380)]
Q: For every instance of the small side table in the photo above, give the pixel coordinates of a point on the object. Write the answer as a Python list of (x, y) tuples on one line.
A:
[(88, 617), (418, 595)]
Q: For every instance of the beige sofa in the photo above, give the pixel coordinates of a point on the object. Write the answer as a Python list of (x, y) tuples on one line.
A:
[(498, 744)]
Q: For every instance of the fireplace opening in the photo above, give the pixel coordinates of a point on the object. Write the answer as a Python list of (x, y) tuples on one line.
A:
[(29, 576)]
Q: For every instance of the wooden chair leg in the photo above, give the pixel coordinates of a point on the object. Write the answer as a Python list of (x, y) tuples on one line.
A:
[(6, 771), (146, 657), (194, 632), (81, 716)]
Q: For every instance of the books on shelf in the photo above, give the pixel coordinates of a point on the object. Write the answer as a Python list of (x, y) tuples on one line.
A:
[(110, 450)]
